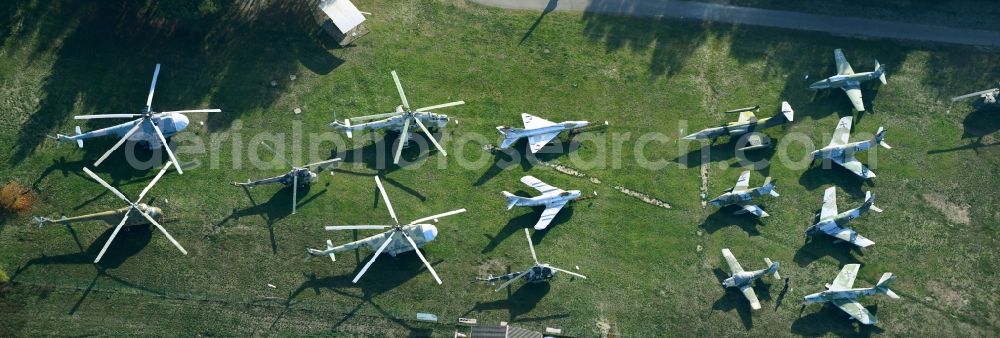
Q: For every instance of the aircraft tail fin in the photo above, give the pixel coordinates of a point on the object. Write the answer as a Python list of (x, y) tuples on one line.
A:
[(880, 71), (884, 283), (880, 138), (772, 268), (768, 187), (511, 199), (870, 203), (787, 111), (508, 136)]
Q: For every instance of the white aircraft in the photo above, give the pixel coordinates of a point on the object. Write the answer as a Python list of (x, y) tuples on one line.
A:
[(539, 131), (551, 197), (841, 293), (847, 80), (841, 152), (744, 279), (834, 224), (742, 196)]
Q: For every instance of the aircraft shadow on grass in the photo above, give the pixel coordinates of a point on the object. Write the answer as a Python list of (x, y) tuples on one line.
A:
[(518, 154), (822, 173), (831, 320), (733, 299), (521, 299), (724, 217), (528, 220), (273, 210), (722, 149), (128, 243), (821, 245)]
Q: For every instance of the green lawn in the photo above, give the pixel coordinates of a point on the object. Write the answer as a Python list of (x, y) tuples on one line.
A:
[(647, 276)]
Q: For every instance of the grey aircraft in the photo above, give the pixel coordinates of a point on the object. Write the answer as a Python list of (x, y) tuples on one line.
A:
[(747, 123), (740, 195), (539, 131), (151, 129), (843, 294), (416, 233), (744, 279), (538, 273), (847, 80), (109, 217), (835, 224), (841, 152), (298, 176), (554, 199)]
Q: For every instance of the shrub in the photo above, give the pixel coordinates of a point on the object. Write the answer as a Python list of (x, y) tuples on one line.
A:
[(16, 199)]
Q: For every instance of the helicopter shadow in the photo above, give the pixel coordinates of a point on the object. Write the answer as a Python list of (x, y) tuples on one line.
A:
[(831, 320), (378, 153), (976, 126), (273, 210), (519, 302), (119, 176), (520, 154), (733, 299), (724, 217)]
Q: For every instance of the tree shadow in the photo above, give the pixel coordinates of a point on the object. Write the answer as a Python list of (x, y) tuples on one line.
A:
[(723, 217), (128, 243), (822, 245), (551, 6), (206, 57), (831, 320)]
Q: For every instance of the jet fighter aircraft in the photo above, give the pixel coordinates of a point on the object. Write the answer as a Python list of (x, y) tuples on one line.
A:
[(747, 123), (834, 224), (536, 274), (842, 294), (841, 152), (744, 279), (741, 196), (539, 131), (847, 80), (554, 199)]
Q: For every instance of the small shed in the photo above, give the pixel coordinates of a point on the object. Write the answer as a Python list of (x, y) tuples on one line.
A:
[(487, 331), (342, 20)]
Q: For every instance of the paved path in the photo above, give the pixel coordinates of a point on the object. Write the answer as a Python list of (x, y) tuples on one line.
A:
[(840, 25)]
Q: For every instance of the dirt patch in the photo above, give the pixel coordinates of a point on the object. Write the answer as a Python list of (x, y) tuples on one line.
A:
[(490, 266), (946, 296), (955, 213)]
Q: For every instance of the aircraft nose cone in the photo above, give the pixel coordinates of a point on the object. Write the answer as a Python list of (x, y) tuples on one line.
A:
[(180, 122), (430, 232)]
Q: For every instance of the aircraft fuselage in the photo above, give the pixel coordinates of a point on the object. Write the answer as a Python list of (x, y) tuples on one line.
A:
[(547, 199)]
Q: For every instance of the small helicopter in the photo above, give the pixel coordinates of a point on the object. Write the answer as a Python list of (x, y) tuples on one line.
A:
[(298, 176), (536, 274)]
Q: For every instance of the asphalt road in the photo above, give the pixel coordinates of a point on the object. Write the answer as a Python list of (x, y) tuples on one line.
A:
[(839, 25)]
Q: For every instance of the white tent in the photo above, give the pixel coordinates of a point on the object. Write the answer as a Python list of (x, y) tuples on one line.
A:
[(343, 13)]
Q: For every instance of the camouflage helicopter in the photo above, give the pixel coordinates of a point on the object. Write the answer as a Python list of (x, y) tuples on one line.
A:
[(399, 121), (298, 176), (416, 233), (536, 274), (748, 124), (151, 129), (149, 214)]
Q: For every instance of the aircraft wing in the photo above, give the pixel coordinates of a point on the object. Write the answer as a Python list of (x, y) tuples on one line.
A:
[(549, 214), (734, 265), (843, 67), (751, 296), (535, 122), (851, 163), (743, 182), (747, 116), (542, 187), (845, 280), (849, 235), (843, 132), (853, 91), (856, 310), (829, 204), (754, 209), (536, 142)]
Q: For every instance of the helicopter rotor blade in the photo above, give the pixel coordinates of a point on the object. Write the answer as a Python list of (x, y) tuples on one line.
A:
[(431, 137), (276, 154), (166, 146), (385, 198), (374, 117), (164, 231), (106, 116), (106, 185), (113, 234), (153, 182), (444, 105), (374, 257), (511, 281), (152, 86), (974, 94), (417, 250), (572, 273), (453, 212), (295, 190), (135, 128), (403, 137), (356, 227), (190, 111), (321, 162), (531, 246), (402, 95)]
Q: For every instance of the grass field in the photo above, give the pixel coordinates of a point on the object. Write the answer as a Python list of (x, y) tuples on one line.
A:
[(653, 271)]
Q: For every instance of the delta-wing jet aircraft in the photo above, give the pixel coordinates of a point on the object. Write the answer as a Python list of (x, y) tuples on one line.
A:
[(554, 199), (842, 294), (744, 279), (847, 80), (740, 195), (747, 123), (834, 224), (539, 131), (841, 152)]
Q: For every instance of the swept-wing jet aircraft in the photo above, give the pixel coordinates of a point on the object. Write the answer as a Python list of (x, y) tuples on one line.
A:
[(847, 80), (841, 152), (740, 195), (554, 199), (747, 123), (835, 224), (539, 131), (843, 294)]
